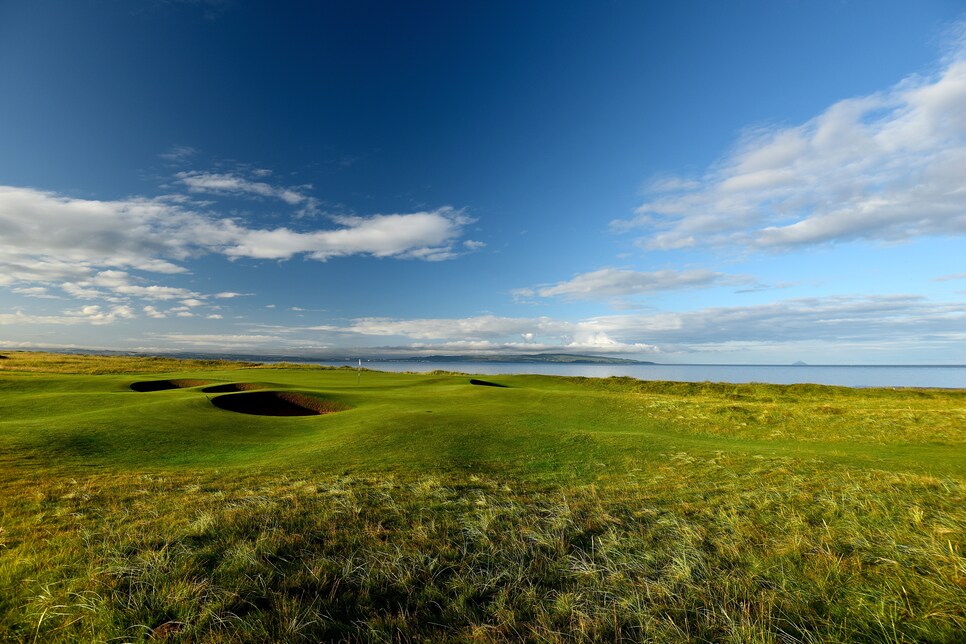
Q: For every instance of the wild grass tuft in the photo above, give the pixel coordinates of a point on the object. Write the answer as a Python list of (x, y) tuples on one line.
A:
[(806, 555)]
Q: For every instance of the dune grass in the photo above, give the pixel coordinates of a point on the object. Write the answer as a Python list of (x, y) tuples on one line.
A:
[(549, 509)]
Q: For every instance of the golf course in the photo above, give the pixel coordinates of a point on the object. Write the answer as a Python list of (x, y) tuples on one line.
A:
[(155, 499)]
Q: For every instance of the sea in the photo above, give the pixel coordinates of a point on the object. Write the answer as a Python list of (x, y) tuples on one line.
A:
[(951, 376)]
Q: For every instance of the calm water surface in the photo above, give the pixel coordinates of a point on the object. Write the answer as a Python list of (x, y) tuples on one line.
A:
[(858, 376)]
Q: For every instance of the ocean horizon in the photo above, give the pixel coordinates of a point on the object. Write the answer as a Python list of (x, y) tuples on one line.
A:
[(926, 376)]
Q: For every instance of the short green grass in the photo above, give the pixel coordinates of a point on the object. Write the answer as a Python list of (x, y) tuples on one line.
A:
[(554, 509)]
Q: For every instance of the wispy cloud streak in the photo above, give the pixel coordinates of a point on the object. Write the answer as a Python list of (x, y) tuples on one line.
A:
[(617, 283)]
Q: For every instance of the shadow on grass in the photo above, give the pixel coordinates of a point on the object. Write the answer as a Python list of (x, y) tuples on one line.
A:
[(486, 383)]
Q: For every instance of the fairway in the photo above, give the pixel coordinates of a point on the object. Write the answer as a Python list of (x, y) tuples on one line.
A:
[(211, 501)]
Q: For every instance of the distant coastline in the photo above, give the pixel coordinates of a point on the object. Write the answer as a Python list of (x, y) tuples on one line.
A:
[(522, 358)]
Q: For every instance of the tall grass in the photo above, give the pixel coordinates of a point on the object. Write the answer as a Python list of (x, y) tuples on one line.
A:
[(76, 363), (696, 550)]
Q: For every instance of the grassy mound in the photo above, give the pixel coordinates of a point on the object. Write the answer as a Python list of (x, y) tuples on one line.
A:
[(145, 386), (276, 403)]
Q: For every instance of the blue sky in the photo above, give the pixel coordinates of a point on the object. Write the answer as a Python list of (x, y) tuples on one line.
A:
[(683, 182)]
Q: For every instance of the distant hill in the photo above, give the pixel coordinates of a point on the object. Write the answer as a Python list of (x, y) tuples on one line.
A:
[(556, 358)]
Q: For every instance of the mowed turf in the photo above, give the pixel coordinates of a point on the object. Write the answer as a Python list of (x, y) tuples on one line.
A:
[(436, 507)]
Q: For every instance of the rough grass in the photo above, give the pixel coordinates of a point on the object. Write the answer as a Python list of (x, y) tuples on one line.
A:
[(40, 362), (700, 551), (804, 412), (556, 510)]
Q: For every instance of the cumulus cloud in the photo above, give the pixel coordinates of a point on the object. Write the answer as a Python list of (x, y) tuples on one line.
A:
[(52, 237), (421, 235), (616, 282), (91, 314), (88, 247), (122, 283), (886, 167)]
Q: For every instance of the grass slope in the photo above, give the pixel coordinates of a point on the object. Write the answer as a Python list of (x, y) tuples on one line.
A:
[(551, 509)]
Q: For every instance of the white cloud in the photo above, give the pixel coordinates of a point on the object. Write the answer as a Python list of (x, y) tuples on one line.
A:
[(52, 237), (95, 314), (59, 236), (153, 292), (870, 321), (492, 333), (88, 246), (481, 327), (236, 185), (178, 153), (117, 286), (235, 342), (153, 312), (886, 167), (227, 295), (121, 283), (615, 282), (422, 235), (34, 291), (24, 319), (82, 291)]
